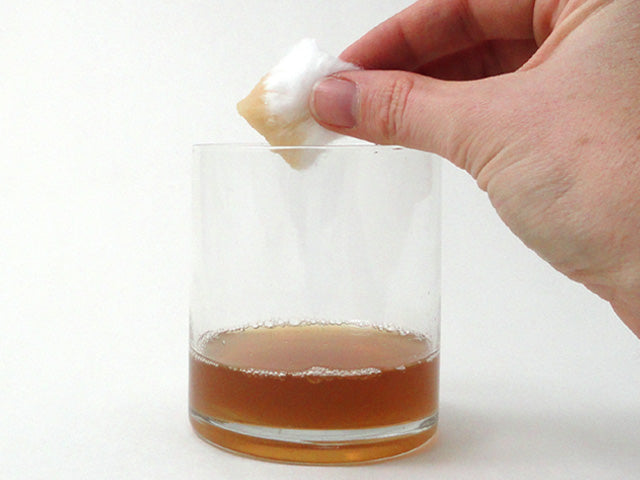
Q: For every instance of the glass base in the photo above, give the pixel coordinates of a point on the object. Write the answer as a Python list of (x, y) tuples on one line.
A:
[(306, 446)]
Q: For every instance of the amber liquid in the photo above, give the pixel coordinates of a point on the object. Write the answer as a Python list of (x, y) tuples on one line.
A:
[(313, 376)]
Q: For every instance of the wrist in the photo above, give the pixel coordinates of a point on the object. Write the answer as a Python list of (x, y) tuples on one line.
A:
[(625, 302), (627, 307)]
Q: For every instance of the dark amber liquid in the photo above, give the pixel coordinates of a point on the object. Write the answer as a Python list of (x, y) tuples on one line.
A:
[(311, 376)]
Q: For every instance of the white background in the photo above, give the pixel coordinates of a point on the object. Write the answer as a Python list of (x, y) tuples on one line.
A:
[(100, 103)]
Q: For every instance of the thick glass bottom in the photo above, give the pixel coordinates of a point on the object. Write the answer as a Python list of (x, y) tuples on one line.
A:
[(308, 446)]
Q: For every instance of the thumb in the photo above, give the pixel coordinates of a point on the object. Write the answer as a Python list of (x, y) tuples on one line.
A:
[(457, 120)]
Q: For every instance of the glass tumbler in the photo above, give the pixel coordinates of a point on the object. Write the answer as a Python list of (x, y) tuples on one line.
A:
[(315, 307)]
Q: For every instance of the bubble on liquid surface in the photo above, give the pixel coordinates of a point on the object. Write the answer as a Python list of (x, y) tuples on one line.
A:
[(320, 373)]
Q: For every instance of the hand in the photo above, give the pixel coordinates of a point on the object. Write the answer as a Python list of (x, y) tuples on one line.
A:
[(538, 100)]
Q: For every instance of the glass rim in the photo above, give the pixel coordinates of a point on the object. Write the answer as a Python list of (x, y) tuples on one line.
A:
[(266, 146)]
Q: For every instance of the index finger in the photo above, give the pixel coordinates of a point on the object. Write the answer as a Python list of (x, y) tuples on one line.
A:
[(432, 29)]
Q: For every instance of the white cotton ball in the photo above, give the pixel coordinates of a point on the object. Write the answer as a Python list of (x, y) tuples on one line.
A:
[(278, 106), (288, 85)]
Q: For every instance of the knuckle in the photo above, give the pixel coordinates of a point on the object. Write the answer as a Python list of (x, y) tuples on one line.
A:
[(393, 105)]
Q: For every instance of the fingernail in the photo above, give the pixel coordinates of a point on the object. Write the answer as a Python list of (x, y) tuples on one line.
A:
[(334, 102)]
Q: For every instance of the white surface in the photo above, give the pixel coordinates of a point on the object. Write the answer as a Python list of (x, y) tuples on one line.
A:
[(99, 104)]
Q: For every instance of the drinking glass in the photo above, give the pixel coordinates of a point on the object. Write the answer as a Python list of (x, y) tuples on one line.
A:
[(315, 306)]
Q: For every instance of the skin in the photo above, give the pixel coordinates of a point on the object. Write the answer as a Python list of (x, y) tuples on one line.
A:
[(538, 100)]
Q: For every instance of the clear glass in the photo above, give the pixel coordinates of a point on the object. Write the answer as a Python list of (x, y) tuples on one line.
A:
[(315, 309)]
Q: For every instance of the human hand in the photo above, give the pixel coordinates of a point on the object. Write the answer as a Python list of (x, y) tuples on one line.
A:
[(539, 100)]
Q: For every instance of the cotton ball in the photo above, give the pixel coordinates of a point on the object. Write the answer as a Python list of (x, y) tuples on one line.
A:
[(278, 106)]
